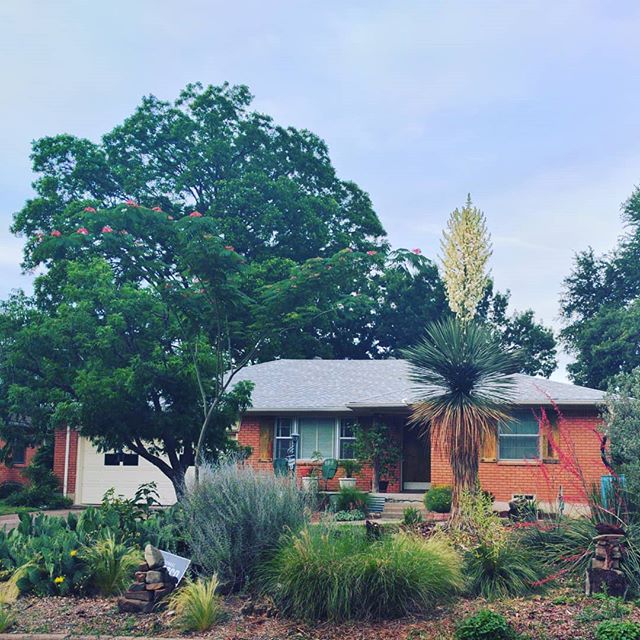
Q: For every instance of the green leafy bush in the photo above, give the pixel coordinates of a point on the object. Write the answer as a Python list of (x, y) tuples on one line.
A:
[(349, 498), (48, 555), (618, 630), (349, 516), (9, 488), (110, 564), (197, 605), (340, 574), (438, 499), (411, 516), (235, 516), (485, 625)]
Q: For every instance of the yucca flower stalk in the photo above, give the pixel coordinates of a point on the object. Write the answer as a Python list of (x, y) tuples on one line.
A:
[(464, 387)]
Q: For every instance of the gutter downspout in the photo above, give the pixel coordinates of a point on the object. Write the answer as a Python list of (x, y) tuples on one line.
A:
[(65, 482)]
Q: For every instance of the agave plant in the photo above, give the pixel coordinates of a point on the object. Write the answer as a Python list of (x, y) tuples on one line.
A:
[(464, 385)]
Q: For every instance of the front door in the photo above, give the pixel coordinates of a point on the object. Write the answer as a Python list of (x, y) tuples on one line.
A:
[(416, 460)]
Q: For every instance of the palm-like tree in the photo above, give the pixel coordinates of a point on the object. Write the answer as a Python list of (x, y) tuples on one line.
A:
[(464, 388)]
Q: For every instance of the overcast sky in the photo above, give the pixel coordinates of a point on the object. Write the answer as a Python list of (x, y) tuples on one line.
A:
[(533, 107)]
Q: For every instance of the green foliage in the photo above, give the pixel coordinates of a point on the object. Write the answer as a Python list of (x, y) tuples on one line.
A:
[(466, 387), (601, 307), (607, 608), (438, 499), (349, 516), (7, 618), (110, 564), (523, 510), (411, 516), (501, 570), (351, 467), (349, 498), (197, 605), (50, 555), (375, 445), (339, 574), (485, 625), (235, 516), (622, 425), (618, 630)]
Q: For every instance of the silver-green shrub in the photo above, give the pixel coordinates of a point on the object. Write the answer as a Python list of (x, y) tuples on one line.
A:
[(236, 516)]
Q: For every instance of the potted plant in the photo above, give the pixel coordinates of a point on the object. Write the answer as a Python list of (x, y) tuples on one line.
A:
[(376, 446), (350, 467), (312, 481)]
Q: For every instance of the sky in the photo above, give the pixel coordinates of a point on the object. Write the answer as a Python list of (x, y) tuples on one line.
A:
[(532, 107)]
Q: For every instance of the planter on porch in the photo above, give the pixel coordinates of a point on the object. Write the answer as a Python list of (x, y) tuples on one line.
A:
[(310, 483), (347, 483)]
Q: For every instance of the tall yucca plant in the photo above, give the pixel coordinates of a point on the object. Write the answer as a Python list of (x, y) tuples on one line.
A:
[(464, 388)]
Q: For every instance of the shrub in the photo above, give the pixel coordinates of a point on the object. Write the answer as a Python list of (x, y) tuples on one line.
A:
[(349, 498), (411, 516), (110, 565), (618, 630), (235, 516), (351, 467), (438, 499), (341, 574), (197, 605), (349, 516), (9, 488), (523, 510), (497, 570), (485, 625), (610, 608)]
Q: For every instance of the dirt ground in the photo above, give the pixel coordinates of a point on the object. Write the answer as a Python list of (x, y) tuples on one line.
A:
[(560, 614)]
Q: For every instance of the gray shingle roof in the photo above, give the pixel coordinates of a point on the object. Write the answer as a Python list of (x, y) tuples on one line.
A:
[(344, 385)]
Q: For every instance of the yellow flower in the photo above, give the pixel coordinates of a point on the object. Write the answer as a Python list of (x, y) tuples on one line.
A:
[(58, 580), (73, 553)]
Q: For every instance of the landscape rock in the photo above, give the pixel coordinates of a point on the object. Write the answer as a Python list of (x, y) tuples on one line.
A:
[(126, 605), (153, 557), (155, 576)]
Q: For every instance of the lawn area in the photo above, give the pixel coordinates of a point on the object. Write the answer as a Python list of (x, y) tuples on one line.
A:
[(7, 509)]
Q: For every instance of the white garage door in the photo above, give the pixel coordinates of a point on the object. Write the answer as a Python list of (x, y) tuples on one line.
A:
[(98, 472)]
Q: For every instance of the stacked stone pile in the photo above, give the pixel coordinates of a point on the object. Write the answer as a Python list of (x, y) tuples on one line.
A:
[(152, 584), (605, 573)]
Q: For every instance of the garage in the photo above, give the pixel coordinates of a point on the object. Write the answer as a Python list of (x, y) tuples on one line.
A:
[(125, 472)]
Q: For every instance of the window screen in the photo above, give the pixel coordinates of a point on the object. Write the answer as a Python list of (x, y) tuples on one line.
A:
[(520, 438), (317, 434), (284, 428), (347, 439), (19, 455)]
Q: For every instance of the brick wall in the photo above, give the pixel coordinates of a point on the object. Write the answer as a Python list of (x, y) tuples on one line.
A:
[(578, 465), (59, 452), (14, 473), (249, 435)]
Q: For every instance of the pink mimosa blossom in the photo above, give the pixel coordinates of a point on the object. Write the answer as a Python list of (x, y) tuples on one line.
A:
[(158, 209), (55, 233), (169, 217), (107, 229), (83, 231), (230, 247), (416, 251), (372, 253), (89, 210), (195, 214), (132, 203)]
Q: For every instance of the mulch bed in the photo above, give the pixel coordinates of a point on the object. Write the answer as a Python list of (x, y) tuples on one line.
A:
[(559, 615)]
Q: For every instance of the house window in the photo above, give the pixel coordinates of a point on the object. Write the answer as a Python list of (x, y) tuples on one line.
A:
[(520, 438), (19, 455), (317, 436), (284, 429), (347, 440), (117, 458)]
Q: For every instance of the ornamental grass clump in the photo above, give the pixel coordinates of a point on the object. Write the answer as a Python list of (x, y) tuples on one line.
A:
[(325, 573), (235, 516), (197, 605), (110, 565)]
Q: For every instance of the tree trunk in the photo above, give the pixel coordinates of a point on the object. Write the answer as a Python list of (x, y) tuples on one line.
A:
[(465, 479), (179, 483)]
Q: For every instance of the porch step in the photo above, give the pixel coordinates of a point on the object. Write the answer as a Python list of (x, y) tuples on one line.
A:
[(395, 509)]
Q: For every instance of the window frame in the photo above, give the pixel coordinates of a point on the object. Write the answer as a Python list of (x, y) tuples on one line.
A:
[(22, 460), (295, 430), (345, 439), (518, 417)]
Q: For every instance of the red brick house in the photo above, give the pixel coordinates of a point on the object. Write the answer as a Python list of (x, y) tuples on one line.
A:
[(21, 459), (551, 445)]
